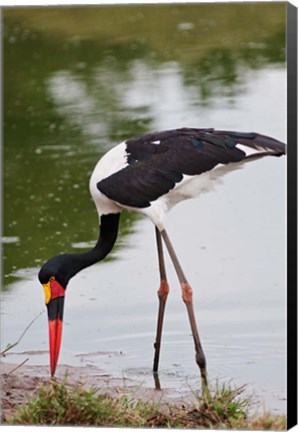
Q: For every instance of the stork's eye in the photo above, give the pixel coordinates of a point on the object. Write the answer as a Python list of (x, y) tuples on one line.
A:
[(53, 289)]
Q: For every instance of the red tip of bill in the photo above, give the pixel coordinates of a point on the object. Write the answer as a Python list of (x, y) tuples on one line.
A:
[(55, 335)]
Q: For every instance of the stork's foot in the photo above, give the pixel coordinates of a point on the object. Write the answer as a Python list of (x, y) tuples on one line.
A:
[(203, 378), (201, 362), (156, 381)]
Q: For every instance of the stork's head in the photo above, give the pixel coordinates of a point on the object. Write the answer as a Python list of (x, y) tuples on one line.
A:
[(54, 276)]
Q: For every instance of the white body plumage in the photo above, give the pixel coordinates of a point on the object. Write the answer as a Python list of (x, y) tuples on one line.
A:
[(115, 160)]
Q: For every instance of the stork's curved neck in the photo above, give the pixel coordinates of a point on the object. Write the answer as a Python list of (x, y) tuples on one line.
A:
[(108, 234), (65, 266)]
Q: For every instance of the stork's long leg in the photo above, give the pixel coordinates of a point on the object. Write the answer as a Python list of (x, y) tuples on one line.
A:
[(187, 298), (162, 296)]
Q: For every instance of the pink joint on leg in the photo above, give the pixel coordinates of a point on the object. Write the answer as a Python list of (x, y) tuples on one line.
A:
[(163, 289), (186, 292)]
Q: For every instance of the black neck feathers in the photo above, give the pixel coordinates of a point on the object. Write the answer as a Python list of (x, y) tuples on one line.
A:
[(65, 266), (109, 225)]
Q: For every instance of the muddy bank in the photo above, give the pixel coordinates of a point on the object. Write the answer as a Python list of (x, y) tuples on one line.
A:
[(19, 385)]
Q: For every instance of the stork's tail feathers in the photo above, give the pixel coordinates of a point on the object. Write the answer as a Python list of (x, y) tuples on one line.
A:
[(255, 145)]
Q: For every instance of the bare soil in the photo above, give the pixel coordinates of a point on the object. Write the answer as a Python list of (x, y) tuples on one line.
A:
[(19, 384)]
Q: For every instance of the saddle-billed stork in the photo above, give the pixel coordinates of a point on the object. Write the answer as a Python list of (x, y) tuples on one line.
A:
[(149, 174)]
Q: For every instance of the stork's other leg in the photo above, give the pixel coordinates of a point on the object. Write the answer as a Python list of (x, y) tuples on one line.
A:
[(162, 296), (187, 298)]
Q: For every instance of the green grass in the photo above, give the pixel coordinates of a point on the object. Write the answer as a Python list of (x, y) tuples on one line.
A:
[(224, 407)]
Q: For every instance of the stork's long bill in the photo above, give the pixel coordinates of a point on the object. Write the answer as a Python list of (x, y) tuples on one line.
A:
[(54, 298)]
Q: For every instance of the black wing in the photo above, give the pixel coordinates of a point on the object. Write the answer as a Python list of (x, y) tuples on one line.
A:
[(157, 161)]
